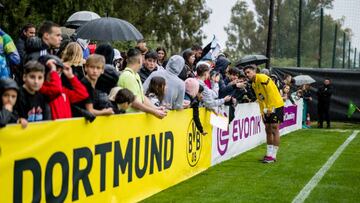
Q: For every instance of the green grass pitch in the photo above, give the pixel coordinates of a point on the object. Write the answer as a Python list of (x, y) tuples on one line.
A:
[(301, 154)]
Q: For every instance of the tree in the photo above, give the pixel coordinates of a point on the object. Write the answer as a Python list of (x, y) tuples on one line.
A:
[(175, 24), (285, 31), (242, 31)]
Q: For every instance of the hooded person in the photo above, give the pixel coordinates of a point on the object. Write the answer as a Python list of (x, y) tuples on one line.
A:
[(110, 77), (8, 92), (175, 87), (118, 60), (221, 65)]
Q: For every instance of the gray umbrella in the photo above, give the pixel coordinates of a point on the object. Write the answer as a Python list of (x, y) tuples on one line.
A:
[(79, 18), (252, 59), (303, 79), (109, 29)]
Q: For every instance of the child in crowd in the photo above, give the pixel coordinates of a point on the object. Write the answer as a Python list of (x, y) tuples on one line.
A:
[(232, 75), (243, 93), (94, 67), (189, 57), (162, 61), (210, 99), (214, 80), (118, 60), (277, 82), (9, 91), (73, 57), (298, 94), (121, 99), (60, 96), (285, 94), (156, 90), (31, 104), (193, 94)]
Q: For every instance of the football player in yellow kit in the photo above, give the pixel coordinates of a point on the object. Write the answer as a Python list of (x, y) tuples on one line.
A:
[(272, 109)]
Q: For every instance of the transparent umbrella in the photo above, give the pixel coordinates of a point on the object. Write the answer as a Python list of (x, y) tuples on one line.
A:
[(303, 79), (79, 18)]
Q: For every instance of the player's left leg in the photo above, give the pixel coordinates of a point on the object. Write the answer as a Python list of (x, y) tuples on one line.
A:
[(269, 141), (277, 118), (276, 137)]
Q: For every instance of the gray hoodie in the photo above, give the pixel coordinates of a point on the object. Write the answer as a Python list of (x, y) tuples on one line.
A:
[(175, 87), (210, 97)]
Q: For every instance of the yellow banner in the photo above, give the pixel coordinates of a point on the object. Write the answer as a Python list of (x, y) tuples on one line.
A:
[(123, 158)]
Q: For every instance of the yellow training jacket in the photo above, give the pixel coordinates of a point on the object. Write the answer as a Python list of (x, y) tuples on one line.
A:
[(267, 93)]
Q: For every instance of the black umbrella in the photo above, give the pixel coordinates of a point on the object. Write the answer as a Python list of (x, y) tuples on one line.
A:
[(79, 18), (109, 29), (252, 59)]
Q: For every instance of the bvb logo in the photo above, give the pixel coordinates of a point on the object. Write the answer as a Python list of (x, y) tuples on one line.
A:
[(193, 144)]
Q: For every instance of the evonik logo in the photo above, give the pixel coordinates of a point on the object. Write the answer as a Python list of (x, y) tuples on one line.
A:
[(241, 128)]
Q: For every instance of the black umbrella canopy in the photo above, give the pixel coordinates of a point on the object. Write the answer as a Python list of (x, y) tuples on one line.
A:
[(109, 29), (252, 59)]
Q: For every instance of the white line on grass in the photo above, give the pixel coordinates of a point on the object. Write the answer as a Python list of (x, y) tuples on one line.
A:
[(304, 193), (337, 130)]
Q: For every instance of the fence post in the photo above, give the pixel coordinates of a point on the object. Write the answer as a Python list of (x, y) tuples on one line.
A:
[(344, 42), (269, 38), (321, 35), (334, 48), (355, 59), (278, 35), (349, 61), (299, 35)]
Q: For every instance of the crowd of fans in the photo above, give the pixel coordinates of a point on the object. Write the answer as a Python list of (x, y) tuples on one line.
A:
[(51, 76)]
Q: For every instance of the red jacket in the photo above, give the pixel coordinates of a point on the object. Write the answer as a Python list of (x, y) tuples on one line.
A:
[(61, 97), (208, 83)]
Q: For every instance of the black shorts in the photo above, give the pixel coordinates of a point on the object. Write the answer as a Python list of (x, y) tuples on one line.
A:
[(276, 117)]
